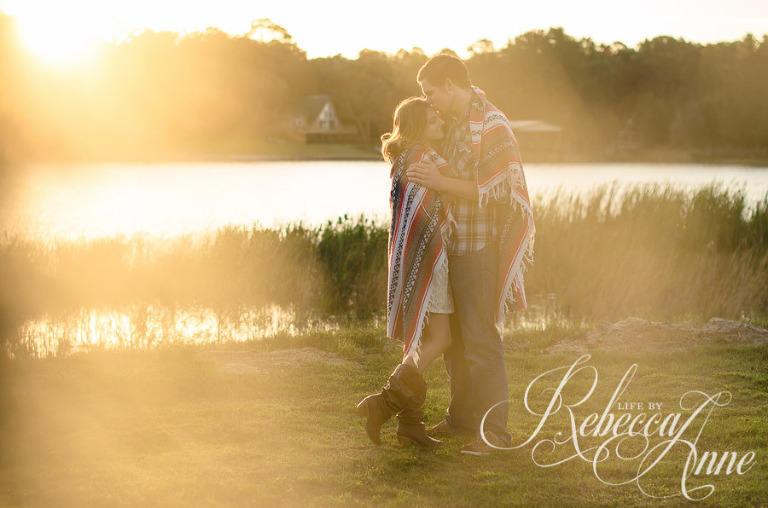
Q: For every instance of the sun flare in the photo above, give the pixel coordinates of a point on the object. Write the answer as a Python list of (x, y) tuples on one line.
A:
[(57, 45), (59, 38)]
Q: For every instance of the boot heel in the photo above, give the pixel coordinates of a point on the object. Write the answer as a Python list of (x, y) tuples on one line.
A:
[(405, 441), (362, 408)]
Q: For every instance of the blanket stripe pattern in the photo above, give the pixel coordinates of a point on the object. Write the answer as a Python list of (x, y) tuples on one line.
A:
[(499, 167), (420, 219)]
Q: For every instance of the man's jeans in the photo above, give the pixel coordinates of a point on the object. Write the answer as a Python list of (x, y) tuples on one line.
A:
[(475, 360)]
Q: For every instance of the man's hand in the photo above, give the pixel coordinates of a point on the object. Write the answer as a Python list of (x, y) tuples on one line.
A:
[(426, 174)]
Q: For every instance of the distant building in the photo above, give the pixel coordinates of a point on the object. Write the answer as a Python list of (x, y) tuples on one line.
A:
[(313, 119), (538, 140)]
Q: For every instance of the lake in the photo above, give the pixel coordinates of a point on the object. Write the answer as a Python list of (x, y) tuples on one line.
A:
[(167, 199), (49, 202)]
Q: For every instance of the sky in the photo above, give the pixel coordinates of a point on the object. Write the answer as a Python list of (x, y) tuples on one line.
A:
[(60, 30)]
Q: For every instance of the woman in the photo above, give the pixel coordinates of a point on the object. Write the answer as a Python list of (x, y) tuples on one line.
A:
[(419, 298)]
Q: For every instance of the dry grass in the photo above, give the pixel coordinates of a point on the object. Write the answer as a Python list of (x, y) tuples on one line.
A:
[(653, 251)]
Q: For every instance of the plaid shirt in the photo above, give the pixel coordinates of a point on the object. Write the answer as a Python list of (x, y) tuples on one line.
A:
[(476, 227)]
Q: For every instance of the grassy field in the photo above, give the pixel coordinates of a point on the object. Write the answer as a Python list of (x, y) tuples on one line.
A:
[(258, 424)]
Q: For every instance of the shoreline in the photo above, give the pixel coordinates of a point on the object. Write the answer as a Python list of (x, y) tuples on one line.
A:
[(271, 152), (192, 158)]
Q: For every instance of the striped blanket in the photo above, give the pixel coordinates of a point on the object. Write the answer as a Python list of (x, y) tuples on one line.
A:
[(499, 169), (420, 219)]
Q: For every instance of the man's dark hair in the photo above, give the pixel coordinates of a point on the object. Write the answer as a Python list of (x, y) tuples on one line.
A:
[(444, 66)]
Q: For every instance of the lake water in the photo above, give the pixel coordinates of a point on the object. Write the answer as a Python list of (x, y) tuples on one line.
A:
[(168, 199)]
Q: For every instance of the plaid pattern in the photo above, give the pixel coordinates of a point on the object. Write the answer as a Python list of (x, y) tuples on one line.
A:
[(420, 221), (503, 216), (476, 226)]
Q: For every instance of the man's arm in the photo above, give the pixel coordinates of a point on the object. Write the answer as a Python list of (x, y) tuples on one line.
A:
[(426, 173)]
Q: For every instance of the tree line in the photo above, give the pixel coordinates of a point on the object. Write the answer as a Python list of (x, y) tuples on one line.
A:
[(212, 92)]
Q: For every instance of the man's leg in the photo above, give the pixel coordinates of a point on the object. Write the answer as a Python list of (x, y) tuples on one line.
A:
[(461, 412), (473, 278)]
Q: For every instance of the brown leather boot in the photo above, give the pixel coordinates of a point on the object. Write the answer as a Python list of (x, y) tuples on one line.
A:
[(411, 430), (403, 389), (375, 409)]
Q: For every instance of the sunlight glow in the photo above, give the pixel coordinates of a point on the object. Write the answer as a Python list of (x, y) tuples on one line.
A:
[(62, 37), (148, 326), (60, 33), (55, 48)]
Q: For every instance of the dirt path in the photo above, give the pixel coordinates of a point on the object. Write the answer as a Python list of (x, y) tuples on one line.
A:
[(636, 333)]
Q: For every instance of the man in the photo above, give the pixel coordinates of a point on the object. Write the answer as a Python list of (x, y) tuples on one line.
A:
[(489, 248)]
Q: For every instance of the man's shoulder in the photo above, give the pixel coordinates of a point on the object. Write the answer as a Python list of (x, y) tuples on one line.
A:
[(481, 102), (496, 133), (492, 114), (492, 118)]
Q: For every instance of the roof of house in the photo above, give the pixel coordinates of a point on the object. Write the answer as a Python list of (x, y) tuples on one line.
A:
[(309, 106)]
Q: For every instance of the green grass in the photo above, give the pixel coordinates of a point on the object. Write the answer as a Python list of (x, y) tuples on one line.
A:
[(168, 427)]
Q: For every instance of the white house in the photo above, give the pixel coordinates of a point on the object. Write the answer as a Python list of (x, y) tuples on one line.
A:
[(313, 119)]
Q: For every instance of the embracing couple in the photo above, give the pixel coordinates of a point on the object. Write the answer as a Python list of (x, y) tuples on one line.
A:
[(460, 239)]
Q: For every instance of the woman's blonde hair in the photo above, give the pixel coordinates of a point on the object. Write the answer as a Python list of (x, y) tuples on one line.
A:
[(408, 124)]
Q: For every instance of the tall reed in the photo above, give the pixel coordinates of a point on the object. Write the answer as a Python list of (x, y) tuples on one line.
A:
[(653, 250)]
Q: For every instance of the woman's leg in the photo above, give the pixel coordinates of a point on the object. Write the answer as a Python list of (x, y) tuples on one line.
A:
[(435, 339), (405, 390)]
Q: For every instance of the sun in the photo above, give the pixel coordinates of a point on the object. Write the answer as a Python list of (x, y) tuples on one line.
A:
[(59, 37), (55, 45)]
